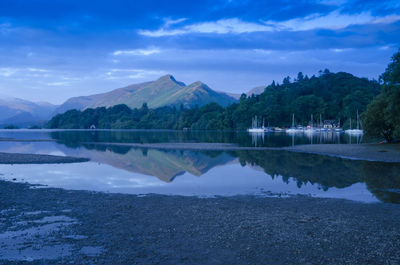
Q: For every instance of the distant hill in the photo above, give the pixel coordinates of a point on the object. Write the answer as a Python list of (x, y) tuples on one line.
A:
[(256, 91), (234, 95), (165, 91), (331, 96), (23, 113)]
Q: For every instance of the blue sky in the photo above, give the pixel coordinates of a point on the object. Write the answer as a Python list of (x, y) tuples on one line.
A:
[(51, 50)]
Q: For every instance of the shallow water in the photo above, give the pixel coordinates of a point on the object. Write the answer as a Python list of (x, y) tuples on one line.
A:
[(276, 139), (200, 173)]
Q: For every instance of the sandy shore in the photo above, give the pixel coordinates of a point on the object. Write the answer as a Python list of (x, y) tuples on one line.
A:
[(49, 226), (15, 158), (370, 152), (25, 140)]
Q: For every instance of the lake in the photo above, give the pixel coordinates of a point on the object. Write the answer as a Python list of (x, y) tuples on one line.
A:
[(124, 169)]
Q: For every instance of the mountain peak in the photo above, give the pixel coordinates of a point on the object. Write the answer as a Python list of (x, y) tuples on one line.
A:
[(170, 77), (197, 84), (165, 91)]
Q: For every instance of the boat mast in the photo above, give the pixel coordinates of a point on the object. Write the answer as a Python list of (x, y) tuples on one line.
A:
[(312, 121), (358, 126), (293, 121), (320, 120)]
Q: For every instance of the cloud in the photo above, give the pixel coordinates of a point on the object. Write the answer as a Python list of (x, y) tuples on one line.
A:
[(169, 22), (138, 52), (5, 28), (222, 26), (40, 70), (333, 20), (117, 74), (7, 71), (58, 84)]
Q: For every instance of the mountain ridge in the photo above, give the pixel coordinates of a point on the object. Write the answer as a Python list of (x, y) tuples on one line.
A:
[(21, 112), (165, 91)]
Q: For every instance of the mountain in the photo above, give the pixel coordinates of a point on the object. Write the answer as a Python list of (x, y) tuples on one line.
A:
[(256, 91), (165, 91), (24, 113), (233, 95)]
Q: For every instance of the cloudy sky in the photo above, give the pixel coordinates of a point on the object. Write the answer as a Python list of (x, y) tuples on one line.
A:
[(51, 50)]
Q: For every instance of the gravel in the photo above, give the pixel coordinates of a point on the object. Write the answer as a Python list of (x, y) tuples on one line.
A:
[(101, 228)]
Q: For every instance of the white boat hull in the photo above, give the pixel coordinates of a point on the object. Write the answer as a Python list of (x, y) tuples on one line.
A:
[(256, 130), (354, 131)]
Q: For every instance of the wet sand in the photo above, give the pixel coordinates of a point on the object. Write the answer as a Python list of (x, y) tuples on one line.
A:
[(370, 152), (49, 226), (15, 158)]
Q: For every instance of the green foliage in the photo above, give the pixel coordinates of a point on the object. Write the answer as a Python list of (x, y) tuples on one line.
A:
[(331, 95), (382, 117), (11, 127)]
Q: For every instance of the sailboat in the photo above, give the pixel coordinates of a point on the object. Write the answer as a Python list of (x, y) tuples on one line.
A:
[(321, 124), (256, 128), (338, 129), (310, 128), (292, 129), (357, 131)]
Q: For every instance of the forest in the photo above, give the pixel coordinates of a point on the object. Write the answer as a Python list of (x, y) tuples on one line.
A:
[(332, 96)]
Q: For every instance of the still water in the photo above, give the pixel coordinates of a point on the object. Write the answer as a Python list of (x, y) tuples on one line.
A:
[(202, 173)]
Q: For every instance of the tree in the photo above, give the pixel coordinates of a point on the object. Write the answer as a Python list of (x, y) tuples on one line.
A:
[(306, 105), (300, 76), (375, 122), (286, 80), (382, 117)]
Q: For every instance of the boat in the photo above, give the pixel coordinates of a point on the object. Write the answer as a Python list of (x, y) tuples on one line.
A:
[(254, 126), (321, 125), (310, 128), (277, 129), (357, 131), (338, 129), (258, 129), (294, 129)]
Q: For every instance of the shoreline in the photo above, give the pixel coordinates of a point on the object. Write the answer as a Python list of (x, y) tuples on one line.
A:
[(367, 152), (49, 225), (18, 158)]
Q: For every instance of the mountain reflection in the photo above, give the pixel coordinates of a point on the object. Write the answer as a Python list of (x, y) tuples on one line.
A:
[(382, 179), (165, 165)]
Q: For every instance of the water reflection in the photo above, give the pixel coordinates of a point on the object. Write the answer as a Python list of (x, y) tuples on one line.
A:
[(275, 139), (165, 165), (233, 171), (73, 138), (382, 179)]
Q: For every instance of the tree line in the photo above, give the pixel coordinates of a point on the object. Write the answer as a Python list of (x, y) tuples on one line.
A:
[(332, 95), (382, 117)]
